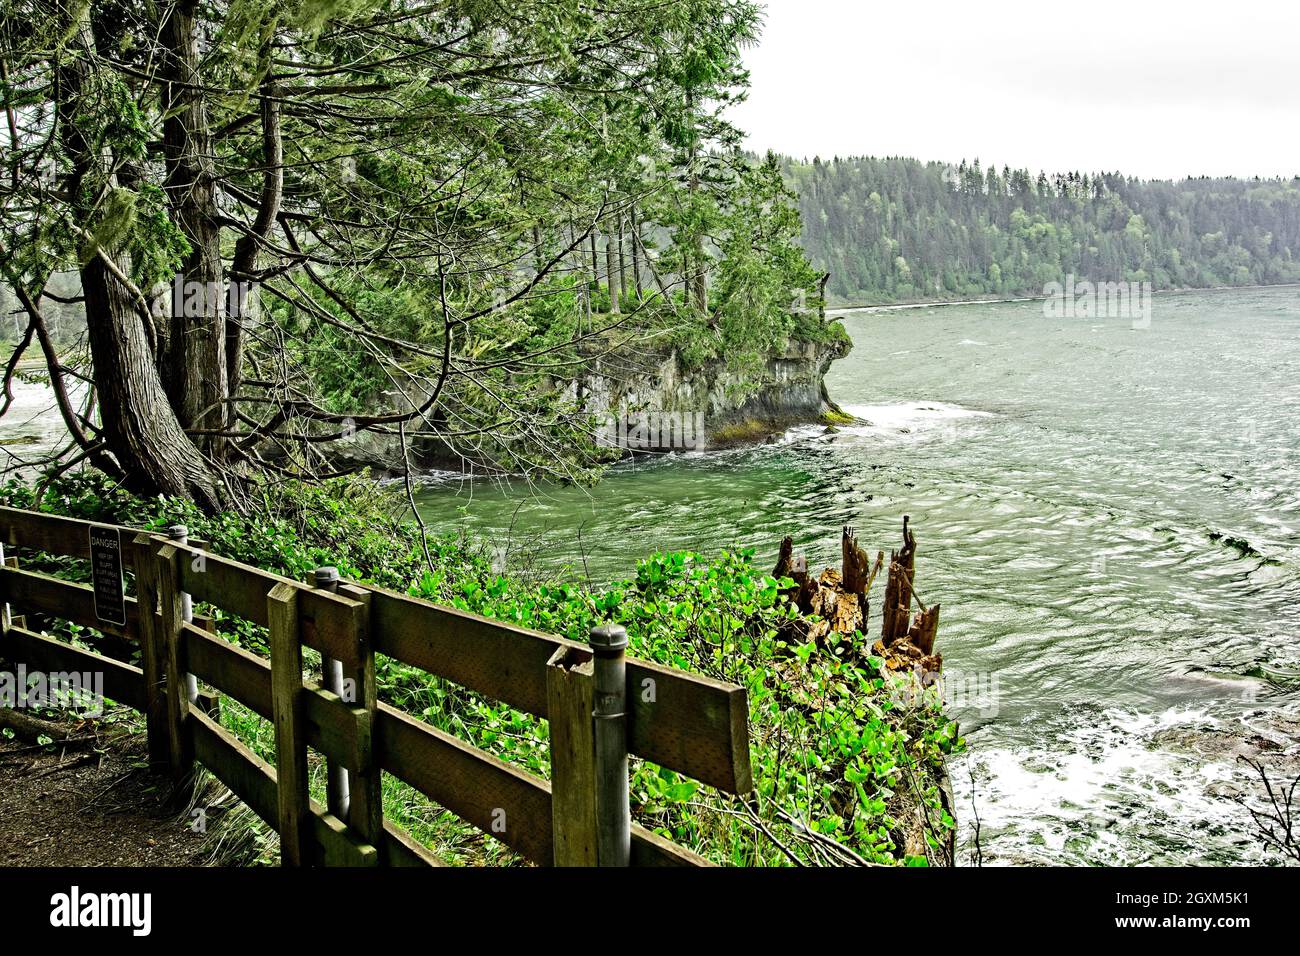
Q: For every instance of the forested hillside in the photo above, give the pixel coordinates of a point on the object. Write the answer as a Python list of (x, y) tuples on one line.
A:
[(898, 229)]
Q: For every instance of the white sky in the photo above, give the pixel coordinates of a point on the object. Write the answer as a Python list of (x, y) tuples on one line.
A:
[(1153, 89)]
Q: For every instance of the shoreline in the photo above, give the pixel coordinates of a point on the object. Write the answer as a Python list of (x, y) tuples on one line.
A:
[(936, 303)]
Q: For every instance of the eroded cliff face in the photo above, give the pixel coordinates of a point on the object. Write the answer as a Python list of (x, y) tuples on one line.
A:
[(717, 405), (649, 402)]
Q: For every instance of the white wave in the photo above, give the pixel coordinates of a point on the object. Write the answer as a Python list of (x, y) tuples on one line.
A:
[(1109, 777), (911, 418)]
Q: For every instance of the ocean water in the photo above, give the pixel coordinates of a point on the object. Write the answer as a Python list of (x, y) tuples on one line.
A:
[(1109, 516)]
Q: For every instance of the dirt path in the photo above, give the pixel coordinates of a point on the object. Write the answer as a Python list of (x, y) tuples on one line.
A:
[(88, 807)]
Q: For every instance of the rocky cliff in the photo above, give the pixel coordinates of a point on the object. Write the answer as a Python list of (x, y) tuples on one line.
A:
[(651, 401), (654, 404)]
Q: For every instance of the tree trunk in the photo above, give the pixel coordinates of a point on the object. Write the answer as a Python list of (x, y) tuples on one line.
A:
[(584, 321), (195, 369), (244, 302), (611, 271), (700, 280), (696, 283), (636, 254), (622, 262), (139, 426)]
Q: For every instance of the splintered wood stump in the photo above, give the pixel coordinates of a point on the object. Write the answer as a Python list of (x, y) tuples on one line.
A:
[(796, 568), (896, 620), (837, 602), (839, 607), (855, 562), (924, 629)]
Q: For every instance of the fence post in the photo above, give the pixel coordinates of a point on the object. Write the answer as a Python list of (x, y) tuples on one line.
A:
[(171, 620), (337, 789), (613, 811), (11, 619), (153, 652), (4, 610), (181, 535), (569, 709), (290, 741), (365, 784)]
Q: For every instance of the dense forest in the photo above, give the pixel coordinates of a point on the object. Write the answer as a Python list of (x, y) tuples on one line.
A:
[(894, 229)]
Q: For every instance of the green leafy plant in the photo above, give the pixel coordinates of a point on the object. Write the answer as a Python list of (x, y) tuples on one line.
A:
[(840, 747)]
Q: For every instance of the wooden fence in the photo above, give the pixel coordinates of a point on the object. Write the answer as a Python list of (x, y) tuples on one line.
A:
[(600, 706)]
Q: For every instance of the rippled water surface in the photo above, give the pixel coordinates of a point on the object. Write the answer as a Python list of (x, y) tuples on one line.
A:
[(1109, 516)]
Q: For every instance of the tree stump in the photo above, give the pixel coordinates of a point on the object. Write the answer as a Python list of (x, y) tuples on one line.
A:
[(837, 602)]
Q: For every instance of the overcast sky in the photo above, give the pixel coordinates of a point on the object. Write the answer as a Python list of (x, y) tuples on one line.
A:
[(1150, 88)]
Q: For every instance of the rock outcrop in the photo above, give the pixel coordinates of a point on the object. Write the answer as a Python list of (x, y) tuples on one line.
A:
[(652, 401), (716, 406)]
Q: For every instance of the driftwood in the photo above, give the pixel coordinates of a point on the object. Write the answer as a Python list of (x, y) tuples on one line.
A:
[(837, 602)]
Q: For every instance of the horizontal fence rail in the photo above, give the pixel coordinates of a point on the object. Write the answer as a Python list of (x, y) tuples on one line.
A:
[(580, 816)]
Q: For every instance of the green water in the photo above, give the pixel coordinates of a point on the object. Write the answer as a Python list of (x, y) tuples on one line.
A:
[(1110, 517)]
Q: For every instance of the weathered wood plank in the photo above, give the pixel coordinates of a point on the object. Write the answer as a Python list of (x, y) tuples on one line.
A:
[(251, 779), (152, 657), (290, 741), (570, 703), (122, 682), (365, 784), (171, 619), (651, 849), (329, 622), (337, 781), (31, 591), (475, 786), (235, 588), (238, 673), (335, 625), (6, 612), (342, 732), (333, 844), (401, 849), (688, 723), (54, 534), (502, 801)]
